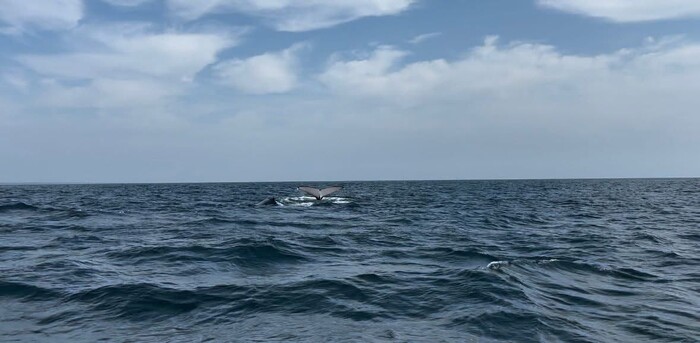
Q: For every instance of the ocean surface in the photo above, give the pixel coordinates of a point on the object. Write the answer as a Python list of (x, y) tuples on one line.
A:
[(452, 261)]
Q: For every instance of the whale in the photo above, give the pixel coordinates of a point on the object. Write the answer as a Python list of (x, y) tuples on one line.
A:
[(319, 193), (268, 202)]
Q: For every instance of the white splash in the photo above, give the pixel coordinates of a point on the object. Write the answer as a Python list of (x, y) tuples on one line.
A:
[(495, 265)]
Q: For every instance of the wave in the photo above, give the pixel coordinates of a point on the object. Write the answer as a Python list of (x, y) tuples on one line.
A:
[(76, 239), (527, 323), (496, 265), (137, 301), (216, 220), (4, 248), (144, 300), (452, 254), (26, 292), (360, 297), (250, 254), (18, 206), (64, 214), (694, 237), (48, 213), (581, 268)]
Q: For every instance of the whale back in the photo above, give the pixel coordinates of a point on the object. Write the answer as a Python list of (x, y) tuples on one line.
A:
[(268, 201)]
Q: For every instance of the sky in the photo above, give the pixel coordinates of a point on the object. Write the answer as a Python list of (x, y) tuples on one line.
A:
[(303, 90)]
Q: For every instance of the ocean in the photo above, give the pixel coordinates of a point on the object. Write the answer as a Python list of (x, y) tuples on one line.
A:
[(419, 261)]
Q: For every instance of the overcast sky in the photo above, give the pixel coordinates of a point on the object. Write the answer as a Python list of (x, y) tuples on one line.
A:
[(272, 90)]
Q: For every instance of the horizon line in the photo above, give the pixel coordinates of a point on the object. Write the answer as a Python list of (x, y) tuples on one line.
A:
[(48, 183)]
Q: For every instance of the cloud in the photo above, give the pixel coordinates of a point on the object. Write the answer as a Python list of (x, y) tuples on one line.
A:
[(375, 75), (107, 93), (127, 3), (500, 110), (126, 63), (262, 74), (21, 15), (424, 37), (625, 11), (533, 85), (16, 80), (522, 109), (293, 15), (489, 68), (129, 50)]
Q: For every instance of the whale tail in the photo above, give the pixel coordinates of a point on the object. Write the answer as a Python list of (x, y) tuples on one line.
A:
[(319, 193)]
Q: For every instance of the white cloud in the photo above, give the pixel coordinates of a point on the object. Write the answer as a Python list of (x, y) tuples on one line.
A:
[(107, 93), (126, 51), (531, 84), (424, 37), (501, 110), (124, 65), (127, 3), (17, 80), (487, 68), (629, 10), (262, 74), (527, 110), (376, 75), (294, 15), (21, 15)]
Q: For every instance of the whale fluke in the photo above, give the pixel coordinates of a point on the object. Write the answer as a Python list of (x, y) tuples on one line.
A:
[(319, 193)]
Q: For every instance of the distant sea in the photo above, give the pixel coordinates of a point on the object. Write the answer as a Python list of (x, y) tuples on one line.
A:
[(443, 261)]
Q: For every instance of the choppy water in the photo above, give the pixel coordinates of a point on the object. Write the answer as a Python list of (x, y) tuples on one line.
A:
[(524, 261)]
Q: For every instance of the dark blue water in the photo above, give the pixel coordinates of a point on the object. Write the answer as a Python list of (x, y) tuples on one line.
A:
[(487, 261)]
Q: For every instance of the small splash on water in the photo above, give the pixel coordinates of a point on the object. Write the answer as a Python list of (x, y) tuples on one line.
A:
[(495, 265), (307, 201)]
